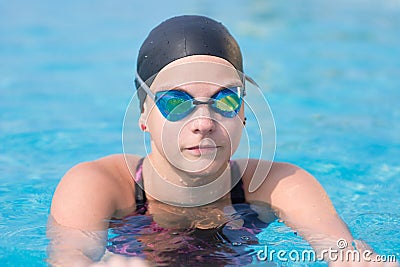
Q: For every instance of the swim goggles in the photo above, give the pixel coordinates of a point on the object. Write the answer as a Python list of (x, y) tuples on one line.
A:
[(175, 105)]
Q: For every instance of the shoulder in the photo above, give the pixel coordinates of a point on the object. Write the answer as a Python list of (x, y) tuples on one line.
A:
[(94, 190), (269, 172), (276, 180), (106, 172)]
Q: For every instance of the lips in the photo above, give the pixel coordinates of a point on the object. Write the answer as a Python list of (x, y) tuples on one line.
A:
[(202, 149)]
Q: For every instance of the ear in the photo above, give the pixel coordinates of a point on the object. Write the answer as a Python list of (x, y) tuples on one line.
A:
[(143, 118)]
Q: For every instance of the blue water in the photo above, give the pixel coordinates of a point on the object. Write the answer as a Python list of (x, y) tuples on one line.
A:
[(329, 69)]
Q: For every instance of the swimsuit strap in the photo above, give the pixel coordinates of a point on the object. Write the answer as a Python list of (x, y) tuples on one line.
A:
[(140, 195), (237, 193)]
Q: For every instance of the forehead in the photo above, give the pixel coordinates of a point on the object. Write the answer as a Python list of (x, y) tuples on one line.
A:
[(193, 71)]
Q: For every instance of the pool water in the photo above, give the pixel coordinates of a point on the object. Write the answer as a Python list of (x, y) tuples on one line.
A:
[(329, 69)]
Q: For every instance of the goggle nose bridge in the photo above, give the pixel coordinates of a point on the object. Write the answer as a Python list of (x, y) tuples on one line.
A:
[(198, 102)]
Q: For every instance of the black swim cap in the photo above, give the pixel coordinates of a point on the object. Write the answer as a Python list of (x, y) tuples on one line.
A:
[(184, 36)]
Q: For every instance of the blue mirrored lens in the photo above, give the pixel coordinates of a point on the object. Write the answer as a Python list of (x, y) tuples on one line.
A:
[(174, 105), (227, 102)]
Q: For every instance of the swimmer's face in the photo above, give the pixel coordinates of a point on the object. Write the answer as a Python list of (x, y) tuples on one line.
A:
[(202, 142)]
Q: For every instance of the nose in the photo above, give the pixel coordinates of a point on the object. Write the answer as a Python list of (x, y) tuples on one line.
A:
[(202, 122)]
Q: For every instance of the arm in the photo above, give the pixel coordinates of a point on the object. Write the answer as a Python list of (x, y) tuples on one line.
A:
[(86, 198), (302, 203)]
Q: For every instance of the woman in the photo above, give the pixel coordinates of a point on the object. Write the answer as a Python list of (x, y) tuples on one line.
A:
[(187, 199)]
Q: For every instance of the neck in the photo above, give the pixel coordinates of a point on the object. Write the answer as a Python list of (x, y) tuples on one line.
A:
[(166, 183)]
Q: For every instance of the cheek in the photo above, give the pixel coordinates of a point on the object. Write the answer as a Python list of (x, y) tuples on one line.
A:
[(164, 134), (233, 132)]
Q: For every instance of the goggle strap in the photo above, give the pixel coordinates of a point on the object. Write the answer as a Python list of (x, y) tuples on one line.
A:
[(250, 80), (143, 85)]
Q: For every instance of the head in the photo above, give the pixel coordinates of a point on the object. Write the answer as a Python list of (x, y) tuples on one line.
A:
[(195, 60)]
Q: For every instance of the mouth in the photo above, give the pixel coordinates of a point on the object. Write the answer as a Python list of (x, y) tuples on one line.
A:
[(202, 149)]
